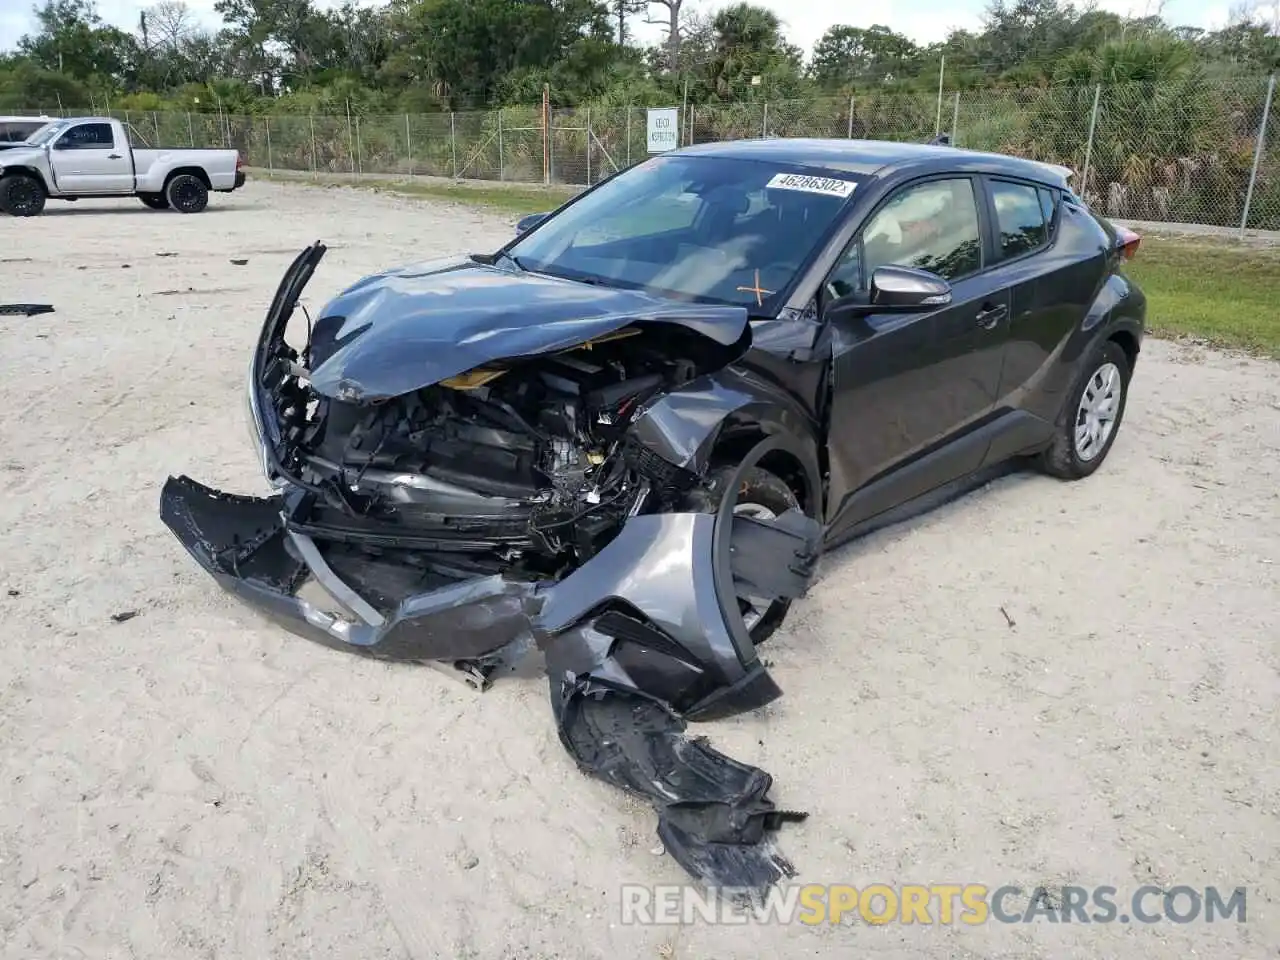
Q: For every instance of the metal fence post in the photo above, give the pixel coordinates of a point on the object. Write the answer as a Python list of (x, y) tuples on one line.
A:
[(155, 122), (315, 171), (850, 116), (191, 132), (588, 125), (684, 115), (453, 145), (271, 167), (1257, 155), (628, 135), (955, 120), (408, 139), (764, 121), (351, 142), (502, 175), (942, 72), (1088, 147), (359, 150)]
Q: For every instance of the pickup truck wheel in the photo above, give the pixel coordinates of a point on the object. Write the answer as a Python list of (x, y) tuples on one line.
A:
[(186, 193), (156, 201), (21, 195)]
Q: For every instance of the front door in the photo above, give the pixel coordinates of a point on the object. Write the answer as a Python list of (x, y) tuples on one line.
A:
[(87, 161), (907, 388)]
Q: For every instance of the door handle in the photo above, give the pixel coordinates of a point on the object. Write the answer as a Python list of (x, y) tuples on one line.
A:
[(113, 156), (990, 316)]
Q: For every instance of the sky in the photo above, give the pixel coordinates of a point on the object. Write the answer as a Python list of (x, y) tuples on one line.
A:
[(924, 21)]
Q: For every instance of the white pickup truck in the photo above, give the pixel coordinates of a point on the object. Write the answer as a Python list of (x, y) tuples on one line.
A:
[(94, 157)]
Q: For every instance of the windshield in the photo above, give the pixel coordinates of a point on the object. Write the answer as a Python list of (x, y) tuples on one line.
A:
[(45, 134), (706, 229)]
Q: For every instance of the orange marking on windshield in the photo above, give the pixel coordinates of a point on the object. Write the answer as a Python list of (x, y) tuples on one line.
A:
[(758, 290)]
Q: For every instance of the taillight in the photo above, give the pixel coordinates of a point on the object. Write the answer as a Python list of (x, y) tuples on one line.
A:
[(239, 160), (1127, 243)]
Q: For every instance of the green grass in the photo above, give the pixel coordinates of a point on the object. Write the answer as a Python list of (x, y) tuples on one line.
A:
[(514, 200), (1223, 292)]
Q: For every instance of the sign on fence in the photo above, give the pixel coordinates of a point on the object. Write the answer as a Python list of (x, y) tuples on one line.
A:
[(664, 129)]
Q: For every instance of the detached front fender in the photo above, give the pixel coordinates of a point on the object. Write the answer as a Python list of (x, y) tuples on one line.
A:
[(686, 426)]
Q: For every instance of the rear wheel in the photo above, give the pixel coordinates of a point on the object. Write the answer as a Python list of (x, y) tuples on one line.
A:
[(1091, 417), (187, 193), (760, 495), (21, 195), (156, 201)]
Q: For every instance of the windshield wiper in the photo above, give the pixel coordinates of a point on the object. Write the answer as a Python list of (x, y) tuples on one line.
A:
[(514, 261)]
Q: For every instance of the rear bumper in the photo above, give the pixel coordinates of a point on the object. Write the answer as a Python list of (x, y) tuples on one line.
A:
[(236, 184)]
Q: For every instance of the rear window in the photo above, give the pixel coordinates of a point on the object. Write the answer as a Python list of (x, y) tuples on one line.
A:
[(1020, 218), (16, 131)]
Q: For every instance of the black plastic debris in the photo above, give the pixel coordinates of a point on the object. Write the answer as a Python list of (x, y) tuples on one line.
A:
[(24, 309), (240, 263), (714, 814), (124, 615)]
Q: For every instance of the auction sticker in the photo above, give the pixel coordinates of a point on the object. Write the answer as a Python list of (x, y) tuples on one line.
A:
[(825, 185)]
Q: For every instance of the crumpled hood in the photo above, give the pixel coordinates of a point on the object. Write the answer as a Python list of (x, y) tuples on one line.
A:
[(405, 329)]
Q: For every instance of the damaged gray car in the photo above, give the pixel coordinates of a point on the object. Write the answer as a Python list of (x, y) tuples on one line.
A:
[(626, 437)]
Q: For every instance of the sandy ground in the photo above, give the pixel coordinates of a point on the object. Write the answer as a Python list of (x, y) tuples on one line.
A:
[(195, 783)]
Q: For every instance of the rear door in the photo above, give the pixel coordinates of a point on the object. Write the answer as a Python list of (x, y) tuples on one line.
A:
[(87, 160), (1049, 287), (907, 388)]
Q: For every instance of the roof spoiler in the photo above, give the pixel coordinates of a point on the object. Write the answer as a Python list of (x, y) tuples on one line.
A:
[(944, 140)]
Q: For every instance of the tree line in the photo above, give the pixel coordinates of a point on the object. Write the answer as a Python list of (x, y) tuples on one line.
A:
[(418, 56)]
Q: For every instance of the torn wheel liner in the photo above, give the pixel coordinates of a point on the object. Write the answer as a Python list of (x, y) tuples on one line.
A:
[(714, 815)]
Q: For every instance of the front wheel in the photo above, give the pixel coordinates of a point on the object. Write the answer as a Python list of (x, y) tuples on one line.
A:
[(761, 495), (1091, 416), (187, 193), (156, 201), (21, 195)]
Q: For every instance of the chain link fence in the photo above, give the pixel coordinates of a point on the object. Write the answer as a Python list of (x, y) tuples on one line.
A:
[(1175, 152)]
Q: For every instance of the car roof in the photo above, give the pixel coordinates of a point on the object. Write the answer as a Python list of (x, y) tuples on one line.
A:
[(876, 158)]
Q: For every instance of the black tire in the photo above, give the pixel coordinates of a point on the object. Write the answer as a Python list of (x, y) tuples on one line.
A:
[(156, 201), (758, 488), (1064, 458), (21, 195), (187, 193)]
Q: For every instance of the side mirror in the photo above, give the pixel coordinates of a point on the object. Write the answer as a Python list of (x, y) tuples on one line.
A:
[(525, 224), (893, 290), (900, 289)]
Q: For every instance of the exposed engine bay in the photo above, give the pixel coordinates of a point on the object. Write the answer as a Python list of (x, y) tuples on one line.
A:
[(520, 462), (523, 467)]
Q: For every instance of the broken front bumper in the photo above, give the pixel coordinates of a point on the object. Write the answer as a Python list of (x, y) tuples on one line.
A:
[(647, 615)]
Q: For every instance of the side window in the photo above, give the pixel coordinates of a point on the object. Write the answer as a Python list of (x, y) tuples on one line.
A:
[(1049, 206), (87, 136), (931, 226), (1020, 218)]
